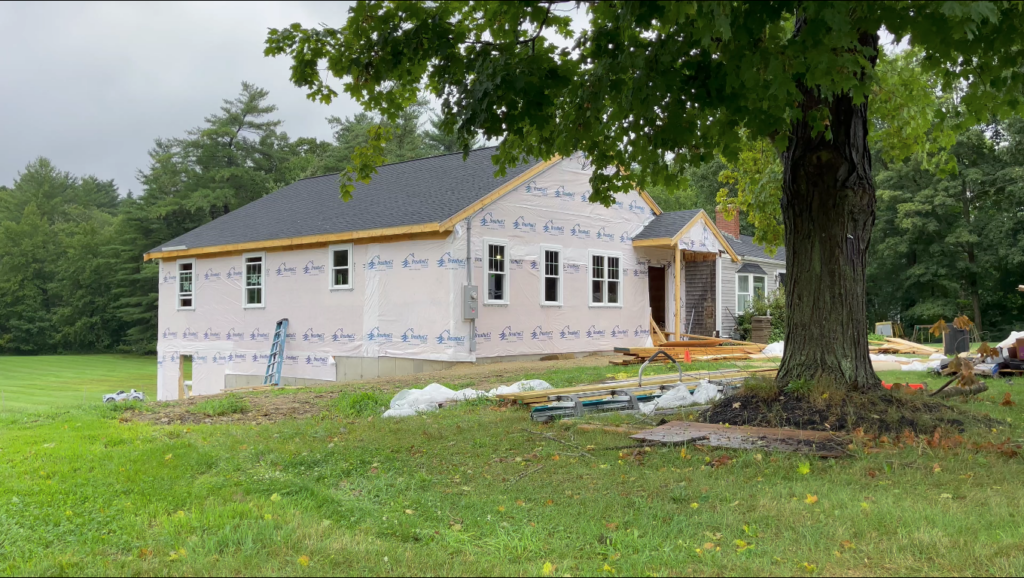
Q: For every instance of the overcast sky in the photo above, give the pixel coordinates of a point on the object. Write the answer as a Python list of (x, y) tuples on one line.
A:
[(90, 85)]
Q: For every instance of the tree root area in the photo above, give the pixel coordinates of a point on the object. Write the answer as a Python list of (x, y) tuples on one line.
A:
[(884, 412)]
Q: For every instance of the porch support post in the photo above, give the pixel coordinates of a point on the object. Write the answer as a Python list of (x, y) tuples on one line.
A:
[(678, 296)]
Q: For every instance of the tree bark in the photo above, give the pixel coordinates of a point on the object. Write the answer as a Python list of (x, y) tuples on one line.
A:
[(828, 208)]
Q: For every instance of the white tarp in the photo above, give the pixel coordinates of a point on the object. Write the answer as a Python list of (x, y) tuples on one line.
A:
[(1011, 340), (681, 397), (413, 401), (406, 296)]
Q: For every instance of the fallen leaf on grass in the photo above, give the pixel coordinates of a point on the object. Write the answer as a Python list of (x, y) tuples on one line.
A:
[(520, 503), (809, 568), (550, 502), (741, 545), (410, 512), (501, 508), (847, 545), (608, 569), (547, 569), (936, 469), (695, 505), (811, 499), (612, 526), (555, 457), (303, 560), (709, 546), (275, 498), (168, 457), (804, 468), (145, 553), (456, 527), (1007, 402), (945, 496)]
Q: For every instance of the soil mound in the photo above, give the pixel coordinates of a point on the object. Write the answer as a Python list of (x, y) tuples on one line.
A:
[(882, 412)]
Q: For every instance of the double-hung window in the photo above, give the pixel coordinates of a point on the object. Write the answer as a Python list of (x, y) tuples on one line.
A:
[(186, 284), (496, 253), (551, 275), (748, 288), (605, 280), (341, 266), (255, 279)]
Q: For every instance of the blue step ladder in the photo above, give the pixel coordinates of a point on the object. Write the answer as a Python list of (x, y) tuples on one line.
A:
[(275, 361)]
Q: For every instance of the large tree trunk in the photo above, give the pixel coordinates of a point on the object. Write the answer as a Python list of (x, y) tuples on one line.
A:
[(828, 207)]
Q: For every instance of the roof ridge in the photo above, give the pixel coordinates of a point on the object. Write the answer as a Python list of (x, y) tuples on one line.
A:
[(401, 162)]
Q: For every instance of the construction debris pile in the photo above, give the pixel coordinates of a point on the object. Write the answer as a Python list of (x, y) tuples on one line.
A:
[(648, 396), (893, 345), (696, 348)]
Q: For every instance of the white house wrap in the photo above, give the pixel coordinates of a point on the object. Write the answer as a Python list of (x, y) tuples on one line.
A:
[(556, 273)]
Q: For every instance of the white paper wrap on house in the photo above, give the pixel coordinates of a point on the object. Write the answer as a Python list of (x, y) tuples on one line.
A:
[(699, 238), (405, 298)]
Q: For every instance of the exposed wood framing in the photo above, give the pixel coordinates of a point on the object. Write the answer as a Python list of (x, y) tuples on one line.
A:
[(676, 297)]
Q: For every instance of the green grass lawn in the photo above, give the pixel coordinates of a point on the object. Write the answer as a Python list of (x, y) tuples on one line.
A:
[(39, 383), (468, 491)]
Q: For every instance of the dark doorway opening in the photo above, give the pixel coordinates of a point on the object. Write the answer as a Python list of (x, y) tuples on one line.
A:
[(656, 293)]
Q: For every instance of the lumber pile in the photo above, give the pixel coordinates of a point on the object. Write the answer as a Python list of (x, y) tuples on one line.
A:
[(540, 397), (902, 347), (699, 347)]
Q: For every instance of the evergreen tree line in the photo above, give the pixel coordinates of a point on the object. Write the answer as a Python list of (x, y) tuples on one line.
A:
[(71, 272)]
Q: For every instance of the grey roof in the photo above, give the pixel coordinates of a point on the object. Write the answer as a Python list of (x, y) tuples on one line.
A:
[(751, 268), (666, 225), (745, 247), (413, 192)]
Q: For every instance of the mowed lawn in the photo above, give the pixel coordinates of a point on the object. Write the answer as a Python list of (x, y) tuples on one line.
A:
[(43, 382), (471, 490)]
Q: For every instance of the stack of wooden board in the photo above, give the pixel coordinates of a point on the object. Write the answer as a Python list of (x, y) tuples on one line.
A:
[(534, 398), (902, 347), (700, 348)]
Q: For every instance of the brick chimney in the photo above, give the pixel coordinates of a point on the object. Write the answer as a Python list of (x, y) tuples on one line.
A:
[(731, 228)]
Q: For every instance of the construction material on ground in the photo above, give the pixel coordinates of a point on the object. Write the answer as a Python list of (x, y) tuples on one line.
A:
[(760, 329), (641, 354), (962, 391), (774, 349), (648, 400), (275, 361), (817, 443), (692, 378), (915, 386), (903, 347), (905, 363), (413, 401)]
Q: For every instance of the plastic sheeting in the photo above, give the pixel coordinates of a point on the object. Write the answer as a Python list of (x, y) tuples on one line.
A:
[(681, 397), (1011, 340), (405, 299), (774, 349), (410, 402)]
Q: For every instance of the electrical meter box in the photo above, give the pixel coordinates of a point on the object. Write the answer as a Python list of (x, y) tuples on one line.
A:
[(470, 302)]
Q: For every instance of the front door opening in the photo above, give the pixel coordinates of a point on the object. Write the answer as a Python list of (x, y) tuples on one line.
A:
[(656, 294)]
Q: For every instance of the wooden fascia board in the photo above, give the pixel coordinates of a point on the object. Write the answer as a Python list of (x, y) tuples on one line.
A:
[(295, 241), (773, 262), (650, 202), (663, 242), (449, 224), (702, 216)]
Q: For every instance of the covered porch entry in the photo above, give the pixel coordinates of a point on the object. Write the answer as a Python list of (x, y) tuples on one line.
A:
[(682, 250)]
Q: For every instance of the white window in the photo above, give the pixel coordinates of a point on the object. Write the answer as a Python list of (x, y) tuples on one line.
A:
[(186, 284), (748, 288), (340, 260), (496, 255), (605, 279), (255, 279), (551, 275)]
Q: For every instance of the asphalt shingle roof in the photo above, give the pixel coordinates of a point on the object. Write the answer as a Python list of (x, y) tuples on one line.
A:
[(413, 192), (745, 247), (666, 225)]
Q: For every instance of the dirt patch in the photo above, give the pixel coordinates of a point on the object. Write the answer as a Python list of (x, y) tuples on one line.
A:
[(299, 403), (262, 408), (883, 412)]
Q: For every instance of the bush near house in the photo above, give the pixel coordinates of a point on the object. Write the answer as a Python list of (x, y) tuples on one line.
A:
[(773, 305)]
